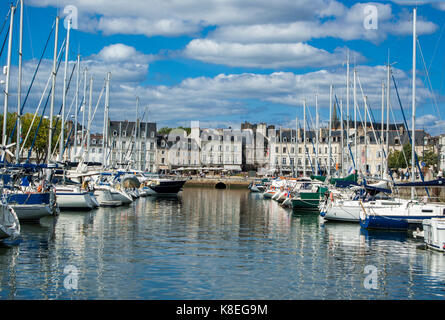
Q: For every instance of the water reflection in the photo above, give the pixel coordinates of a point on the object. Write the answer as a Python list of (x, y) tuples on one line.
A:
[(213, 244)]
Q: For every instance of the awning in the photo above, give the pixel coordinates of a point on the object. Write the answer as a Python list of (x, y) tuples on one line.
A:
[(232, 167)]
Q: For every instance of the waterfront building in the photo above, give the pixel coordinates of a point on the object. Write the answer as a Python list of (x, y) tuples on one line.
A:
[(287, 153), (132, 146)]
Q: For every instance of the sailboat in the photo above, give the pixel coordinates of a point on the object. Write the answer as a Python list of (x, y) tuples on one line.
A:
[(411, 213)]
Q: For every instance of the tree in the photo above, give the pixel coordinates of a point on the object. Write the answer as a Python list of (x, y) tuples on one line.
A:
[(40, 146), (430, 158), (164, 131), (167, 130), (396, 158)]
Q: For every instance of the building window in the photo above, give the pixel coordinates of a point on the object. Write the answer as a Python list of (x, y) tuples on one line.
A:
[(276, 149), (284, 161), (284, 149)]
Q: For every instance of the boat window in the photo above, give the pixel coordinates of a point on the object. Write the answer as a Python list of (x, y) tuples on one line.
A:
[(427, 210)]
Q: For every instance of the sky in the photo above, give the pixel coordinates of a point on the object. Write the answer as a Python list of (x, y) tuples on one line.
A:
[(226, 62)]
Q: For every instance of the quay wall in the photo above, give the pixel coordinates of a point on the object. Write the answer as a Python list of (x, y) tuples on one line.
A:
[(231, 183), (436, 193)]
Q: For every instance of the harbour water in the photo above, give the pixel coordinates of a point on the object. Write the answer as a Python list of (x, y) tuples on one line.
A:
[(213, 244)]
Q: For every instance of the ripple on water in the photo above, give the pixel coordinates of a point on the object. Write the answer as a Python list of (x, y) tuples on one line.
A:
[(213, 244)]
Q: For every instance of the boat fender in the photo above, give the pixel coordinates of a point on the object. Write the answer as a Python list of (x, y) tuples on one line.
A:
[(39, 188), (332, 197)]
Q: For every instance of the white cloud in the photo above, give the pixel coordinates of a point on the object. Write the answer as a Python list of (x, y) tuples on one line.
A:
[(347, 25), (431, 123), (290, 20), (213, 100), (276, 55)]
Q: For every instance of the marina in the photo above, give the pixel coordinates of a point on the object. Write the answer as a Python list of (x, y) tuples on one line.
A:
[(213, 244), (340, 195)]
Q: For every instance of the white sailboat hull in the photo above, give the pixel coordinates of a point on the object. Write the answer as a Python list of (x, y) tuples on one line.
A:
[(434, 233), (32, 212), (9, 223), (75, 200), (349, 211)]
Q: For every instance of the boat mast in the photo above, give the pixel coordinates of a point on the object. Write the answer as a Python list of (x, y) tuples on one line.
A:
[(65, 80), (8, 74), (317, 124), (120, 143), (366, 137), (347, 108), (330, 130), (304, 137), (342, 138), (136, 135), (19, 88), (296, 147), (281, 153), (146, 138), (53, 91), (89, 119), (105, 130), (413, 120), (382, 127), (84, 105), (77, 102), (355, 119), (387, 110)]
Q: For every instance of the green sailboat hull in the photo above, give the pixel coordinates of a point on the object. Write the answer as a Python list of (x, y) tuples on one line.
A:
[(309, 200)]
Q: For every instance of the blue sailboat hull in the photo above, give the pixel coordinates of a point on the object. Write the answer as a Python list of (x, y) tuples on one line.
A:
[(392, 222)]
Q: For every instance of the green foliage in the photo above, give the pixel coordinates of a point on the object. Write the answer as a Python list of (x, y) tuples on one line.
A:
[(430, 158), (167, 130), (41, 142), (164, 131), (396, 159)]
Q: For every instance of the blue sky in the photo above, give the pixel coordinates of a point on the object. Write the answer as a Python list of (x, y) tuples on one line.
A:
[(223, 62)]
